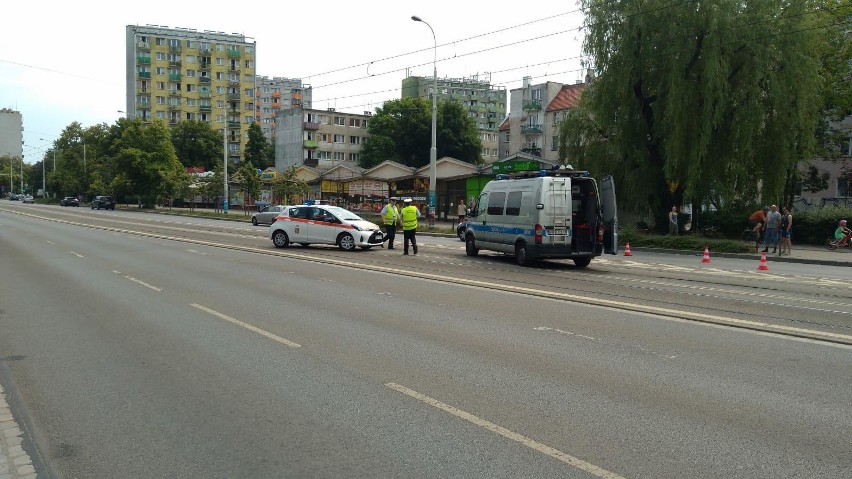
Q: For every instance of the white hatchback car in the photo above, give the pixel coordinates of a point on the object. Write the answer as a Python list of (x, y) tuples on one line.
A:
[(324, 224)]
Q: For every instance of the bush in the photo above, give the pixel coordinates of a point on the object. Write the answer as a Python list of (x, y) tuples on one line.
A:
[(814, 226), (683, 242)]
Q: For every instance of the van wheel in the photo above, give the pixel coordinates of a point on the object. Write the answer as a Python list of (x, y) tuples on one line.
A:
[(582, 262), (522, 254), (470, 247)]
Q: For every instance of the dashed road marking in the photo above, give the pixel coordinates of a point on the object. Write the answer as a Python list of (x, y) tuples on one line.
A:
[(255, 329)]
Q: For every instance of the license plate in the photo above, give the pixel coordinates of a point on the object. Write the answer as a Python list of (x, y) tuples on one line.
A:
[(559, 231)]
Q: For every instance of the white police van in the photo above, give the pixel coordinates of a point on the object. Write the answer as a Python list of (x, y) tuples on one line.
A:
[(558, 213)]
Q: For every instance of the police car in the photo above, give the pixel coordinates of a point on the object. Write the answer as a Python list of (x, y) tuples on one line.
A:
[(324, 224)]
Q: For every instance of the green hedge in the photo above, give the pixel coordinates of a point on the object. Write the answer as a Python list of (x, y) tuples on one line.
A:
[(682, 242), (809, 226)]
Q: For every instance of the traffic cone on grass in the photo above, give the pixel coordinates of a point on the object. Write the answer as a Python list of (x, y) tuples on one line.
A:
[(763, 266), (706, 258), (627, 250)]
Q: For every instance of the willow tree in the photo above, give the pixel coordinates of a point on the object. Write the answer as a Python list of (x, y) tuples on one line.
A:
[(703, 101)]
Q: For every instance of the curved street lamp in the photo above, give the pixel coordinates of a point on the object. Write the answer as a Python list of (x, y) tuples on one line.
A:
[(433, 152)]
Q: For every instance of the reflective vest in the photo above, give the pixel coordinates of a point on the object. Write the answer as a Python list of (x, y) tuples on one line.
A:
[(409, 218), (391, 215)]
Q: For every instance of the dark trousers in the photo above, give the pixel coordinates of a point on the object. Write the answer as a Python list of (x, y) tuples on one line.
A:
[(409, 235), (390, 234)]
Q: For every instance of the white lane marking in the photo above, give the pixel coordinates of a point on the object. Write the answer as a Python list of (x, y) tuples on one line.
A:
[(50, 242), (76, 254), (519, 438), (570, 333), (197, 252), (255, 329), (138, 281)]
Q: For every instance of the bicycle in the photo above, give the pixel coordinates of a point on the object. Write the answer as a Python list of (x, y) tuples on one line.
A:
[(749, 237), (832, 244)]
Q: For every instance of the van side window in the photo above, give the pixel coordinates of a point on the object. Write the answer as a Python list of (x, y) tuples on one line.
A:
[(496, 202), (513, 204), (476, 209)]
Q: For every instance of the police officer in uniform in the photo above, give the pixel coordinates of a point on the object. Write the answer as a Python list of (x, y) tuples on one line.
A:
[(410, 213), (390, 217)]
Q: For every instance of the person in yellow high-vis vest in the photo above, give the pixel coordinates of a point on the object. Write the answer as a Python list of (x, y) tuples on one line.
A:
[(390, 218), (409, 213)]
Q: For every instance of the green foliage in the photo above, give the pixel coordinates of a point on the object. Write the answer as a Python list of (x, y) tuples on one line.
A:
[(249, 181), (703, 101), (147, 157), (401, 131), (288, 187), (814, 226), (196, 144), (258, 150), (695, 243)]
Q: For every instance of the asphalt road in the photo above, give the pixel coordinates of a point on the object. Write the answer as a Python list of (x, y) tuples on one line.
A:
[(138, 346)]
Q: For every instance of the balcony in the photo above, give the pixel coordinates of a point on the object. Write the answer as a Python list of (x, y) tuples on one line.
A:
[(234, 153), (143, 74), (205, 66), (175, 49), (233, 54), (234, 125), (311, 144), (234, 96), (143, 45), (205, 108), (312, 125), (530, 129), (532, 105), (143, 105), (205, 94), (176, 93), (234, 69), (174, 76), (276, 94), (233, 83), (204, 50), (143, 60), (532, 150), (174, 63), (175, 108), (204, 79), (276, 104)]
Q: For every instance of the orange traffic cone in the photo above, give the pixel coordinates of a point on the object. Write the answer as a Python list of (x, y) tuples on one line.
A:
[(763, 266), (627, 250), (706, 258)]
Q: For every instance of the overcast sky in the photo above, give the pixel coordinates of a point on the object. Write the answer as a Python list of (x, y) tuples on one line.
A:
[(62, 62)]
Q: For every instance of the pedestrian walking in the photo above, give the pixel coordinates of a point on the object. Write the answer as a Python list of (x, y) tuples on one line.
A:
[(462, 211), (673, 221), (786, 231), (410, 214), (390, 218), (773, 219)]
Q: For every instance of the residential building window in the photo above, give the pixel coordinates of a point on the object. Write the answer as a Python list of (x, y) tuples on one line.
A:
[(161, 56), (160, 41), (190, 58), (190, 116), (191, 102), (535, 94), (161, 70), (143, 99), (190, 73), (354, 140), (338, 156), (355, 122), (190, 44), (494, 152), (220, 61), (161, 100), (323, 137), (340, 121), (506, 137), (554, 144), (174, 42), (190, 87), (353, 157), (220, 47), (323, 155), (249, 63), (249, 49), (161, 85), (161, 115), (220, 104), (339, 138)]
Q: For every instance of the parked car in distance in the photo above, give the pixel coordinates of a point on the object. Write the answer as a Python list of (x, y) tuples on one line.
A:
[(69, 201), (324, 224), (268, 214), (28, 199), (13, 197), (105, 202)]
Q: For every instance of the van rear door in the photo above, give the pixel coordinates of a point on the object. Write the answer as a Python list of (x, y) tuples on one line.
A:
[(609, 211)]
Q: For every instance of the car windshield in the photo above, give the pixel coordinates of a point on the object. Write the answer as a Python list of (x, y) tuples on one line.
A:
[(343, 214)]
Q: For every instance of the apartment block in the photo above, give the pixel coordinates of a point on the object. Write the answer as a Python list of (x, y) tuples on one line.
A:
[(484, 102), (277, 93), (526, 124), (178, 74), (318, 138)]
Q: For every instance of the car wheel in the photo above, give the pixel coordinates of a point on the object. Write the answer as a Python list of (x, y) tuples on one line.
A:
[(254, 221), (280, 239), (346, 242), (522, 254), (582, 262), (470, 247), (460, 232)]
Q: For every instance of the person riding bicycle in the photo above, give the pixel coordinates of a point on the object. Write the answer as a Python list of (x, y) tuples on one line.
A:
[(758, 222), (842, 234)]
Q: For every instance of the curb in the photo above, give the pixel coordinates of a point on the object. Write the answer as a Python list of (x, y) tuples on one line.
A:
[(756, 257)]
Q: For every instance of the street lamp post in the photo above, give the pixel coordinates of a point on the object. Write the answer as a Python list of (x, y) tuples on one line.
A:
[(43, 179), (433, 152)]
